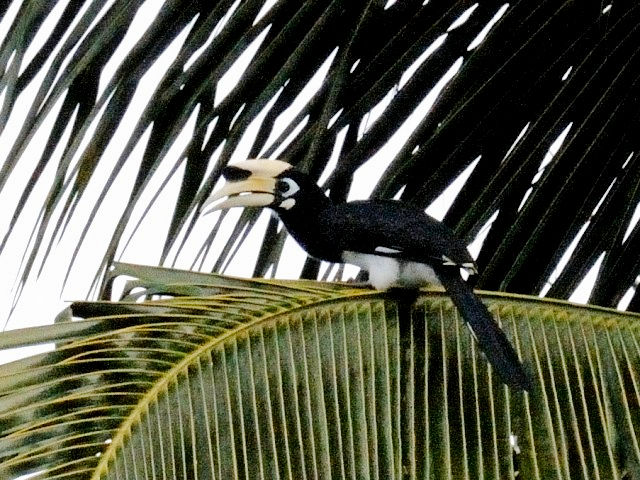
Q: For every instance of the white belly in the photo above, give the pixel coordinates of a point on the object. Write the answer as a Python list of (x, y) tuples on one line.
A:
[(386, 272)]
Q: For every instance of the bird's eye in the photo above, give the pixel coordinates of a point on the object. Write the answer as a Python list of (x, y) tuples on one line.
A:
[(286, 187)]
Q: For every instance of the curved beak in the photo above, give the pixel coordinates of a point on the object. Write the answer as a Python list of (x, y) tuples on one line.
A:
[(253, 192), (250, 183)]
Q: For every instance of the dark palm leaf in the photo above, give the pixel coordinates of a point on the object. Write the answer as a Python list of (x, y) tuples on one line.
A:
[(546, 66)]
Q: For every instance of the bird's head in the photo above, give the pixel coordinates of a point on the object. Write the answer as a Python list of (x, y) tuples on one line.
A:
[(265, 183)]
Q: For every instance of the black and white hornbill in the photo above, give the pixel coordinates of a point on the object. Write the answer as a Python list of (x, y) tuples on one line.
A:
[(399, 246)]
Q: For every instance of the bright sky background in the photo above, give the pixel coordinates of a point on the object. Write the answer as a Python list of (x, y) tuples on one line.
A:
[(42, 298), (143, 248)]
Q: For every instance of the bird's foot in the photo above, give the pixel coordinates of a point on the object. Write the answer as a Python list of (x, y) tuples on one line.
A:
[(406, 296)]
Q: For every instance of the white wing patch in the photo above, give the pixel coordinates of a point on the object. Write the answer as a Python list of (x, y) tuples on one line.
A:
[(468, 267), (447, 261), (386, 250), (288, 204)]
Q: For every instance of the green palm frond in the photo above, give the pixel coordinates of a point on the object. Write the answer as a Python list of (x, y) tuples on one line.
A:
[(226, 378)]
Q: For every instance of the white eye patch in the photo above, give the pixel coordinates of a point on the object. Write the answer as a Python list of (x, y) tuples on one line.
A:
[(287, 187), (288, 204)]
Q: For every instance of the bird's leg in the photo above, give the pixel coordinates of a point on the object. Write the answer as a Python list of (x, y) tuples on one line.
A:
[(411, 331), (404, 298)]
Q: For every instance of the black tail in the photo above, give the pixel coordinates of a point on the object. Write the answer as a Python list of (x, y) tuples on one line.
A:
[(491, 339)]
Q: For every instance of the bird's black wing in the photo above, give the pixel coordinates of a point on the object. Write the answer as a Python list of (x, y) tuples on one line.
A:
[(392, 229), (389, 228)]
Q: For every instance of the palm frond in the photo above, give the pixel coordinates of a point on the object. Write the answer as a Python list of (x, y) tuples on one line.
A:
[(221, 377)]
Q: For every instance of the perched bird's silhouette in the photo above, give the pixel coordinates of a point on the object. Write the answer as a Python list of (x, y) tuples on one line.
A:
[(398, 245)]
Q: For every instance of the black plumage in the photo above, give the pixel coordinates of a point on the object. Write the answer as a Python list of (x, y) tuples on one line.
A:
[(399, 246)]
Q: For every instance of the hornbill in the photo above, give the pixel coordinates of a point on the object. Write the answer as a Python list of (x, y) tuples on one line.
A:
[(398, 245)]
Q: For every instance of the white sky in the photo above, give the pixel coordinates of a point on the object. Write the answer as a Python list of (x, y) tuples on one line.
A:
[(144, 247)]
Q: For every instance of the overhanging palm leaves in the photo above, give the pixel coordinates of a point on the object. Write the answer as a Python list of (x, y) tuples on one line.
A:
[(542, 65), (231, 377), (268, 379)]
